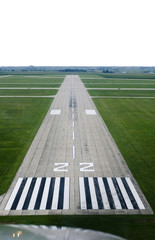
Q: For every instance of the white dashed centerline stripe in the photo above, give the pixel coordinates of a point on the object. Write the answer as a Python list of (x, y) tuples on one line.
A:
[(45, 194), (34, 195), (66, 194), (13, 195), (73, 124), (73, 151), (72, 115), (56, 194), (24, 194), (135, 194), (73, 135)]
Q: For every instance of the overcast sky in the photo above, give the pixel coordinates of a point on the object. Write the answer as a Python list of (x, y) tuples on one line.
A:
[(77, 32)]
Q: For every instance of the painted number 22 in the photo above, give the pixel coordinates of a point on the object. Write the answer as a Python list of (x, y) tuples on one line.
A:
[(62, 167)]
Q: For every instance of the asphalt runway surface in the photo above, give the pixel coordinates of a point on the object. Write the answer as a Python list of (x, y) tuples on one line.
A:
[(73, 165)]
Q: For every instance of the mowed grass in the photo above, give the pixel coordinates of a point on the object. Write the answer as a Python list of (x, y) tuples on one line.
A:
[(22, 81), (19, 121), (132, 125), (118, 81), (129, 76), (119, 85), (31, 79), (27, 92), (121, 93), (30, 85)]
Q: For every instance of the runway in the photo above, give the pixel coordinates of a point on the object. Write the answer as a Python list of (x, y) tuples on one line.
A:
[(73, 165)]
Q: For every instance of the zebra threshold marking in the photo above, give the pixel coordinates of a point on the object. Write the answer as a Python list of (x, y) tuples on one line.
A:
[(108, 193), (54, 194), (40, 194)]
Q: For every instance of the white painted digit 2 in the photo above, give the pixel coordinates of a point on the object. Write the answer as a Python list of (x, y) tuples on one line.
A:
[(85, 169), (61, 167)]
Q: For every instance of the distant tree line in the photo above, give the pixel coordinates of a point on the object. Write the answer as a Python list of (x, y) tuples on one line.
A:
[(72, 70)]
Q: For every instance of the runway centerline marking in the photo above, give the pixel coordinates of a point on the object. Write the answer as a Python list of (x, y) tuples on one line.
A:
[(73, 136), (73, 151)]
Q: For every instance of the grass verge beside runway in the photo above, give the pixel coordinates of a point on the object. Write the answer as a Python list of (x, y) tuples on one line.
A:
[(30, 85), (29, 79), (129, 75), (123, 93), (118, 81), (19, 122), (131, 123), (119, 85), (28, 92)]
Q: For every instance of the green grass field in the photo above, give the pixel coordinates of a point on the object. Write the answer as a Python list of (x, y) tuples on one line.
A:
[(27, 92), (30, 79), (119, 85), (129, 76), (118, 81), (131, 122), (121, 93), (30, 85), (19, 122)]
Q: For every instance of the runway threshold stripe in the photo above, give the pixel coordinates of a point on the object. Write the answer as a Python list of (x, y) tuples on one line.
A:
[(66, 194), (50, 194), (108, 193), (56, 193), (124, 193), (119, 194), (16, 200), (82, 193), (61, 194), (40, 194), (114, 194), (132, 199), (92, 193), (103, 194), (24, 194), (45, 194), (87, 192), (135, 194), (98, 194), (13, 195), (34, 195), (28, 197)]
